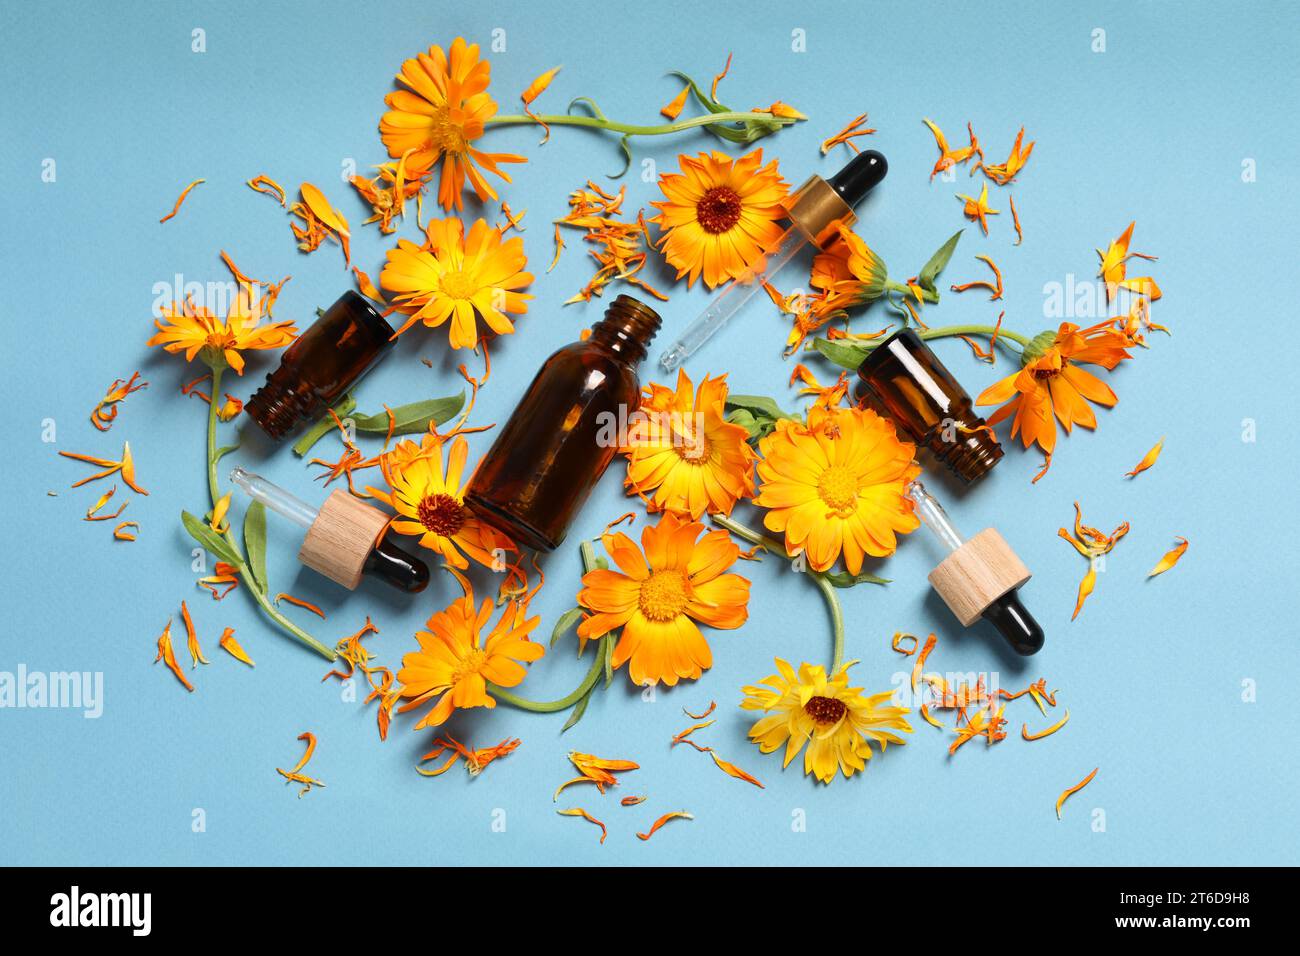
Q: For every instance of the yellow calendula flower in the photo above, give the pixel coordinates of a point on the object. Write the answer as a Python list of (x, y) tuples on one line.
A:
[(459, 278), (440, 113), (837, 484), (720, 215), (458, 656), (430, 502), (836, 721), (192, 329), (684, 455), (657, 598)]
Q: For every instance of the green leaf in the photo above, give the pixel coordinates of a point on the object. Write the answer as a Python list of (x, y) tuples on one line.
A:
[(842, 579), (223, 451), (343, 406), (565, 624), (845, 356), (925, 278), (760, 405), (255, 543), (413, 418), (575, 715), (212, 541)]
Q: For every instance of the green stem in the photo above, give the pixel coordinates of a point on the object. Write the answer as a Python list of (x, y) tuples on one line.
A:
[(824, 585), (214, 491), (588, 682), (597, 122)]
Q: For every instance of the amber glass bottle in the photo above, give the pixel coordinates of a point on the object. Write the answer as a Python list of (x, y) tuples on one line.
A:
[(555, 447), (905, 381), (321, 364)]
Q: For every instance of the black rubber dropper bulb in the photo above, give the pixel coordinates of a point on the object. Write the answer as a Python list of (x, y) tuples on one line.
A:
[(863, 173), (398, 567), (1016, 624)]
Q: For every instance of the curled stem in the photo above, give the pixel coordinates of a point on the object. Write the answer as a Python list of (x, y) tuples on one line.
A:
[(214, 491), (588, 680), (824, 585)]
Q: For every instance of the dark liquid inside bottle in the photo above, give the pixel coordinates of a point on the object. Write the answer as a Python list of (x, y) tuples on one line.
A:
[(321, 364), (903, 380), (565, 430)]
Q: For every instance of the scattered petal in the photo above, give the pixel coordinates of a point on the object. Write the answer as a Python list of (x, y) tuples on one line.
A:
[(1170, 559), (168, 656), (579, 812), (233, 648), (1024, 729), (180, 199), (1148, 459), (676, 814), (1065, 794)]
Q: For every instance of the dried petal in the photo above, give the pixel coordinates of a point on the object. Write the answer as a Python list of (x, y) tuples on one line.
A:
[(732, 770), (1148, 459), (1170, 559), (676, 814), (1024, 728), (233, 648), (1065, 794), (579, 812), (180, 199), (168, 656)]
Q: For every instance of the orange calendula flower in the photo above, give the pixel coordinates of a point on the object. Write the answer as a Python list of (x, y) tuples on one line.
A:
[(430, 501), (657, 597), (219, 342), (1114, 268), (1003, 173), (683, 453), (836, 722), (952, 157), (459, 278), (440, 113), (720, 215), (125, 467), (458, 655), (1051, 386), (977, 209), (837, 485)]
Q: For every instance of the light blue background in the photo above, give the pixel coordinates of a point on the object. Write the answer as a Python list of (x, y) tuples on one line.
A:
[(1156, 128)]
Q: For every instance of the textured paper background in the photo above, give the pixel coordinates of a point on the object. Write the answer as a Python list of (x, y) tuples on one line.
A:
[(1156, 128)]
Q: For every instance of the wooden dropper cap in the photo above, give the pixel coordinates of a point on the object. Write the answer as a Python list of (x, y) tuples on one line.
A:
[(980, 577), (342, 537)]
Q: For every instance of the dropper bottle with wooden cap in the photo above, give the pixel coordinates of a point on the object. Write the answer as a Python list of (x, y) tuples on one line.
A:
[(564, 432)]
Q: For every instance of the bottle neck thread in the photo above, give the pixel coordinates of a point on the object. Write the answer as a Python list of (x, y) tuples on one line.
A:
[(628, 327)]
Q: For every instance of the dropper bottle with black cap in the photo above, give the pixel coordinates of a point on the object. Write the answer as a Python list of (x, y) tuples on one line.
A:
[(815, 211)]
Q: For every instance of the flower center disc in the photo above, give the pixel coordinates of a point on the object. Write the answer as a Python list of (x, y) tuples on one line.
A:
[(663, 595), (719, 210), (838, 487), (692, 447), (471, 663), (441, 514), (445, 133), (457, 285), (825, 710)]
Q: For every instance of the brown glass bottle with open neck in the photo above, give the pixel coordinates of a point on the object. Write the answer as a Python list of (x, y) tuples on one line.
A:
[(903, 380), (321, 364), (563, 434)]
